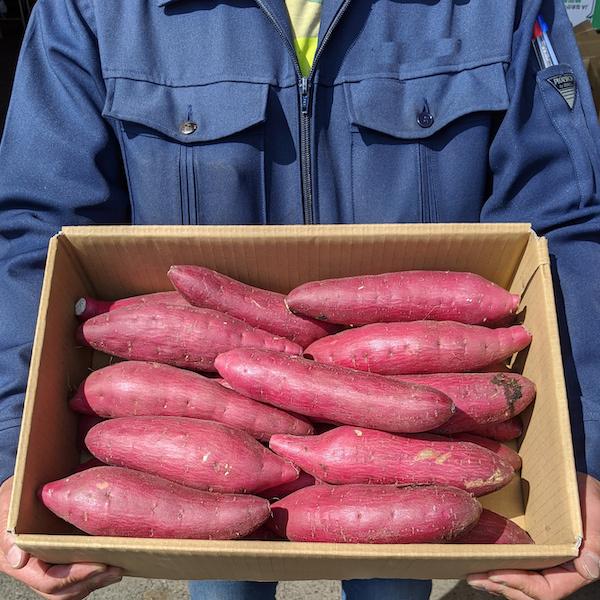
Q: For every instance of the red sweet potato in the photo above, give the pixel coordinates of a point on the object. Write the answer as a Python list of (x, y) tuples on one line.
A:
[(493, 528), (192, 452), (357, 455), (502, 432), (504, 452), (480, 398), (182, 336), (88, 307), (258, 307), (374, 514), (119, 502), (327, 392), (404, 296), (419, 347), (280, 491), (134, 388)]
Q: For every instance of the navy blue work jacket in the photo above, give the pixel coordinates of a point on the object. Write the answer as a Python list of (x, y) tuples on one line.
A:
[(194, 112)]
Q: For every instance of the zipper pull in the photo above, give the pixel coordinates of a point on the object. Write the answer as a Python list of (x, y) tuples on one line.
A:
[(304, 96)]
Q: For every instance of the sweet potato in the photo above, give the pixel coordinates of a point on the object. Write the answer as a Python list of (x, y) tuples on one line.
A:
[(327, 392), (258, 307), (502, 432), (404, 296), (480, 398), (281, 491), (493, 528), (120, 502), (182, 336), (504, 452), (88, 307), (419, 347), (134, 388), (200, 454), (374, 514), (357, 455)]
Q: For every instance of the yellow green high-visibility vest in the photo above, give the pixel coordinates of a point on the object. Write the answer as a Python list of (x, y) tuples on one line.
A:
[(305, 18)]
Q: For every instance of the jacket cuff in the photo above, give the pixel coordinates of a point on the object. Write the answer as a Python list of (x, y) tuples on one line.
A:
[(9, 440)]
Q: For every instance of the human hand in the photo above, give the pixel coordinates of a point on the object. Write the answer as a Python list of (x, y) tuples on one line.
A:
[(53, 582), (558, 582)]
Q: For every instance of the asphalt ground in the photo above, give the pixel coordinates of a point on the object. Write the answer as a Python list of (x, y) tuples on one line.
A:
[(159, 589)]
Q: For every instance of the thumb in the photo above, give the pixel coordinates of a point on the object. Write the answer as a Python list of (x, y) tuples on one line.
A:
[(588, 565), (14, 556), (588, 561)]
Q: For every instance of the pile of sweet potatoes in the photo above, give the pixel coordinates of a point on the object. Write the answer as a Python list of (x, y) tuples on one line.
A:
[(359, 410)]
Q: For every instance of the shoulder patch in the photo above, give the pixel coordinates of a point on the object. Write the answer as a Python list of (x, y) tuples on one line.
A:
[(566, 86)]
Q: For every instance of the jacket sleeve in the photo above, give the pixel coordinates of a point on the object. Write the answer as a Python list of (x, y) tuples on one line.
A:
[(59, 165), (545, 169)]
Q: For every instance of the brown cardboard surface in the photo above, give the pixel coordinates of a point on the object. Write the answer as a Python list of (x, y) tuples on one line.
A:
[(131, 260)]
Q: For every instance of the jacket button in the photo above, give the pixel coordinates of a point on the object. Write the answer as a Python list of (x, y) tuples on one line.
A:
[(188, 127), (425, 118)]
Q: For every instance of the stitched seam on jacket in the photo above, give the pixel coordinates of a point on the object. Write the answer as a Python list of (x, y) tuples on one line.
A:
[(170, 133), (431, 72), (148, 78), (102, 94), (560, 132)]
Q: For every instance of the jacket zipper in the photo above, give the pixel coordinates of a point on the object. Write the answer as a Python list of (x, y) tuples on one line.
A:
[(304, 92)]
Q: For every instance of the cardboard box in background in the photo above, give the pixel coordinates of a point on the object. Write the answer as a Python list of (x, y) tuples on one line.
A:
[(113, 262), (588, 40)]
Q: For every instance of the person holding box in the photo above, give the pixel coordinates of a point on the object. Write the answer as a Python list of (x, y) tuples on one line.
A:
[(273, 111)]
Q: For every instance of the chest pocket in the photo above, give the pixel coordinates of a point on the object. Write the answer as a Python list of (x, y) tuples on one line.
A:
[(420, 146), (193, 154)]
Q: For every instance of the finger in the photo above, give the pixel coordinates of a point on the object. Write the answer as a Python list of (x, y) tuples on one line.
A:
[(505, 592), (14, 556), (34, 574), (551, 584), (481, 582), (83, 589), (588, 565), (76, 572)]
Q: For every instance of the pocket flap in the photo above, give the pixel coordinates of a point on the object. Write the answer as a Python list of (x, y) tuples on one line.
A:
[(209, 112), (393, 106)]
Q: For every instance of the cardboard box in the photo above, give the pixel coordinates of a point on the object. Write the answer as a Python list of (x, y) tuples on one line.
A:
[(113, 262)]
